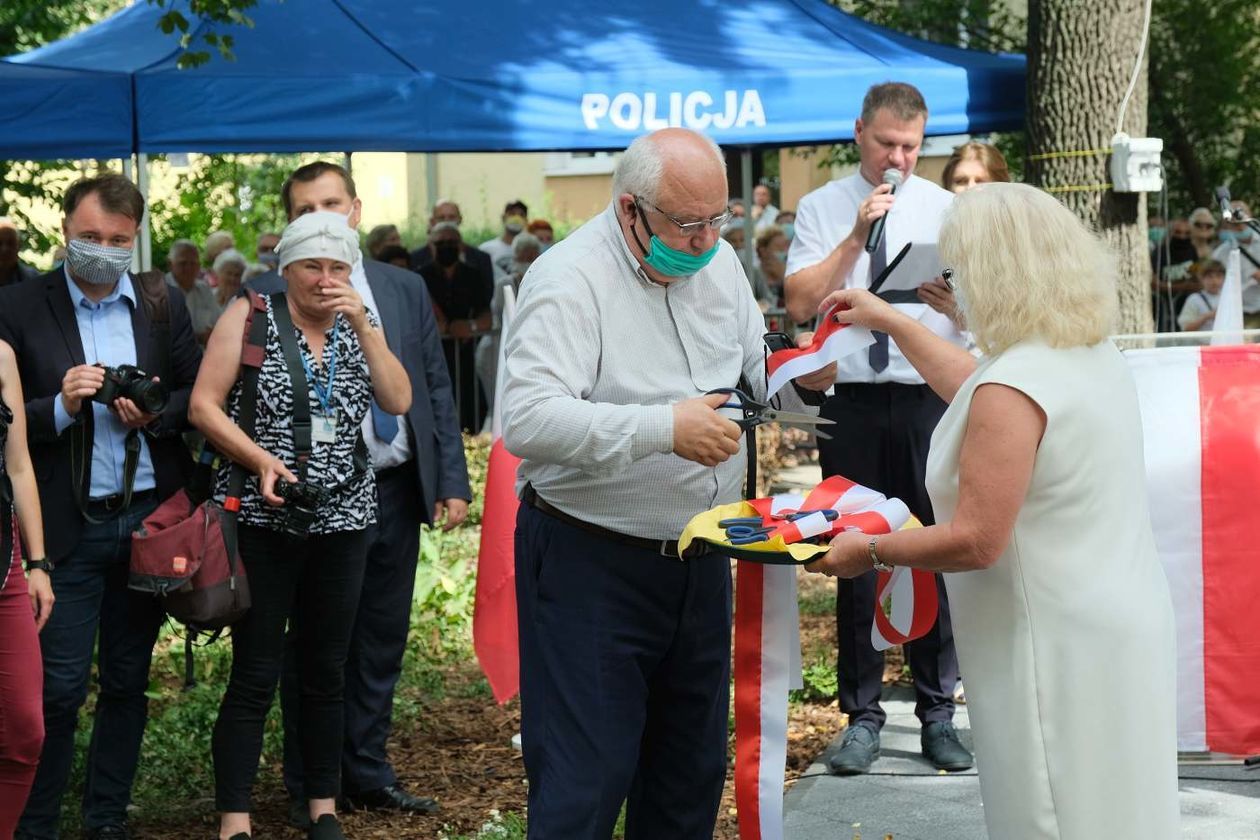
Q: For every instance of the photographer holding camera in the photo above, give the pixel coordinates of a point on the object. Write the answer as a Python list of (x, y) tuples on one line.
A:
[(303, 516), (91, 339)]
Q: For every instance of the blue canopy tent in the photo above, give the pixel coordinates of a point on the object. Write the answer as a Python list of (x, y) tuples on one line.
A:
[(390, 75), (55, 113)]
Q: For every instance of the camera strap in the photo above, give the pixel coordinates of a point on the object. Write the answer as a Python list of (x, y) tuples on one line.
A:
[(302, 442), (81, 465)]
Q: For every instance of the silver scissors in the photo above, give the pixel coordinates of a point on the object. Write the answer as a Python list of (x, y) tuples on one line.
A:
[(755, 413)]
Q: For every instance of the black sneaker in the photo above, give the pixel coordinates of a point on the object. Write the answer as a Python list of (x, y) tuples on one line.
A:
[(325, 828), (858, 749), (390, 798), (942, 747)]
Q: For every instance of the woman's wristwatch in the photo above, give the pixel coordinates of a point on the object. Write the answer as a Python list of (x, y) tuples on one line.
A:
[(42, 564), (880, 566)]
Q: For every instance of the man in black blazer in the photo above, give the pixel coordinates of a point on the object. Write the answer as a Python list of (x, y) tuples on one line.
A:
[(475, 258), (421, 478), (101, 468)]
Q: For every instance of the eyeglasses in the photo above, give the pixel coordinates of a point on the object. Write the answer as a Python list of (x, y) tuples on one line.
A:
[(690, 228), (947, 274), (1206, 225)]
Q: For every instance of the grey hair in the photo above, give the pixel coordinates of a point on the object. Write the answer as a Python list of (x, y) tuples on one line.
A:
[(641, 165), (181, 245), (231, 255), (524, 241)]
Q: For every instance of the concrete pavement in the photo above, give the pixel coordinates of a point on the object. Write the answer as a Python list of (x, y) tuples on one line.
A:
[(906, 797)]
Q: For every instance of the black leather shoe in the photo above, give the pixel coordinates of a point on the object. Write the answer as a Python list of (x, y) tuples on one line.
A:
[(299, 813), (107, 832), (240, 835), (942, 747), (325, 828), (859, 748), (391, 798)]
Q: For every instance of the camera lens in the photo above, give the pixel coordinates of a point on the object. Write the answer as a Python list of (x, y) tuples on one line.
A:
[(151, 396)]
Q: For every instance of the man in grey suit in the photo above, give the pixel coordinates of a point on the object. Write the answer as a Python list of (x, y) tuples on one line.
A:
[(421, 478)]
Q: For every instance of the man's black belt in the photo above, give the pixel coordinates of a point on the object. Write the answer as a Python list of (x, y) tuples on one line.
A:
[(109, 505), (665, 548)]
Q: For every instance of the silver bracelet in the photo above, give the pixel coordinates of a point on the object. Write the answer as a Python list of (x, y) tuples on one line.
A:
[(878, 564)]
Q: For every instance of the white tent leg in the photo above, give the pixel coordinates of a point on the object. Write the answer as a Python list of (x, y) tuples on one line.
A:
[(145, 251), (746, 185)]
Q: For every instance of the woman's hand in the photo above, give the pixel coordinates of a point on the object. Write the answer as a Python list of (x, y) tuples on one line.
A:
[(343, 298), (39, 587), (858, 306), (847, 558), (821, 379), (270, 471)]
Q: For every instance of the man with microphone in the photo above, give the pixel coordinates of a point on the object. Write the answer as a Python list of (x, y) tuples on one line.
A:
[(846, 233)]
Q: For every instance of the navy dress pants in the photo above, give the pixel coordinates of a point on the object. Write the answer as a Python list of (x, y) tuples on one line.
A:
[(625, 670), (881, 440)]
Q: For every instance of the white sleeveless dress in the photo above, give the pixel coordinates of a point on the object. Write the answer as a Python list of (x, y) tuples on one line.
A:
[(1067, 641)]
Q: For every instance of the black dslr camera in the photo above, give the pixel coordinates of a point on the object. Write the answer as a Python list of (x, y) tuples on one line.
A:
[(134, 384), (301, 501)]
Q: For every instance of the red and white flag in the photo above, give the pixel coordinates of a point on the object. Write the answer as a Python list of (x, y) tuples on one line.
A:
[(833, 341), (494, 612), (768, 646), (1201, 430)]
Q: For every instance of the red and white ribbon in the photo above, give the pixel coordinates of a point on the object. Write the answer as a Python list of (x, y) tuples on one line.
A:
[(832, 342)]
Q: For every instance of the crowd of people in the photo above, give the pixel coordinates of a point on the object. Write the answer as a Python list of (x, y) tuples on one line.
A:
[(331, 459), (344, 439)]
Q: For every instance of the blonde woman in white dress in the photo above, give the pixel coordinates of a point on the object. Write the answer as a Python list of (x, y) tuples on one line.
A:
[(1061, 610)]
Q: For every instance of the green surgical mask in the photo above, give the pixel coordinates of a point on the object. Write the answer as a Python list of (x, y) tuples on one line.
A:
[(670, 261)]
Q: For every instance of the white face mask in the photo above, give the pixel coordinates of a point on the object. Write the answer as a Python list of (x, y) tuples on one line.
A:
[(92, 262)]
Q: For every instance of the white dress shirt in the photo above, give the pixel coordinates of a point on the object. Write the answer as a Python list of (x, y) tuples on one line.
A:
[(826, 216), (597, 355), (383, 454)]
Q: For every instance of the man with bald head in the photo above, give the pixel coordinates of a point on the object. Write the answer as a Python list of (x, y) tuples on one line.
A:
[(623, 328), (479, 260)]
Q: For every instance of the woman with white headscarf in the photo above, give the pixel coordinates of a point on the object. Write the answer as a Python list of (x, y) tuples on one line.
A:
[(303, 541)]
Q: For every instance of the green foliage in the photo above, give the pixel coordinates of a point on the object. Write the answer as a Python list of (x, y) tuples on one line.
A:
[(210, 17), (821, 685), (498, 827), (236, 193), (1204, 70)]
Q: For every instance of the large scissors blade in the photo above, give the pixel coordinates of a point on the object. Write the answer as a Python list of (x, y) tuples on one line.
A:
[(796, 418)]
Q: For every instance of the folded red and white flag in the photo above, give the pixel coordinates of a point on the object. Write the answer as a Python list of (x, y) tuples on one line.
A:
[(768, 646), (832, 342), (1201, 430)]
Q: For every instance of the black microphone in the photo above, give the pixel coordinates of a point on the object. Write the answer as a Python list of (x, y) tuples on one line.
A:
[(893, 177), (1227, 212)]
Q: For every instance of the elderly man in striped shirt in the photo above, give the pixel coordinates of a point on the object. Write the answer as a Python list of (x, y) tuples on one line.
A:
[(623, 328)]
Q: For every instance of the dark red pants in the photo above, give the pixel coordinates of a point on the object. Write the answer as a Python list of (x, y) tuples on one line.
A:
[(21, 697)]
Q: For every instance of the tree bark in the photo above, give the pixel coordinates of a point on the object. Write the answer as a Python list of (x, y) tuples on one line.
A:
[(1080, 60)]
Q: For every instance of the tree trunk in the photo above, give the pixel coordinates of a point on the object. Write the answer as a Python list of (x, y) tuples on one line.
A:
[(1080, 60)]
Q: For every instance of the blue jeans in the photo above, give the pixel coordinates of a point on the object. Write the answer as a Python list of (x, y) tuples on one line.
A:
[(91, 590)]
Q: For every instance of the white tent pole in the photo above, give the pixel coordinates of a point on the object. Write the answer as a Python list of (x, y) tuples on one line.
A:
[(146, 227), (430, 181), (746, 184)]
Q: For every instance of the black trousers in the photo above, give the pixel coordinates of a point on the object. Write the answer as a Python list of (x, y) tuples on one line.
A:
[(881, 440), (314, 582), (374, 663), (625, 671)]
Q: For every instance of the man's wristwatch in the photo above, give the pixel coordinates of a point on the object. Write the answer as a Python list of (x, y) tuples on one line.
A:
[(43, 564), (880, 566)]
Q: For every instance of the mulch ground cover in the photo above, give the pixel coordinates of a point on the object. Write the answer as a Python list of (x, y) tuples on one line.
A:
[(459, 751)]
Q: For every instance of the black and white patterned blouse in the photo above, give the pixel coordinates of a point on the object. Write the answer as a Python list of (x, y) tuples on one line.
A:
[(352, 503)]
